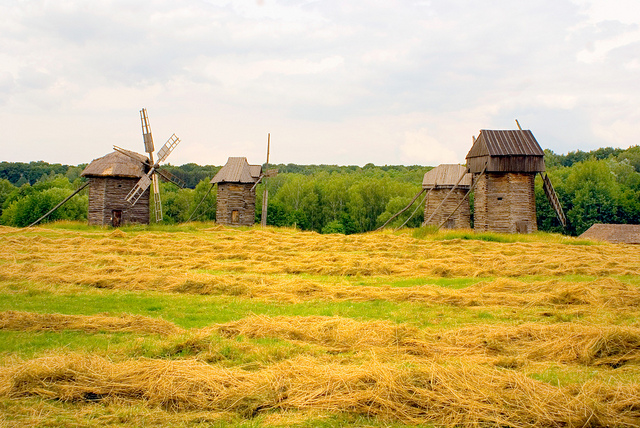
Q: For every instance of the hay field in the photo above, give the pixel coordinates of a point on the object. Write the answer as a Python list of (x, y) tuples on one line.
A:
[(200, 325)]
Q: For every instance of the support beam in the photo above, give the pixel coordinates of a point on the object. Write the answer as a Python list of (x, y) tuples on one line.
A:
[(402, 210), (60, 204)]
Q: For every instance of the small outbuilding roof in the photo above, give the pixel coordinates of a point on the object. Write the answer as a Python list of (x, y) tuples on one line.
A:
[(447, 175), (237, 170), (614, 233), (505, 143), (116, 164)]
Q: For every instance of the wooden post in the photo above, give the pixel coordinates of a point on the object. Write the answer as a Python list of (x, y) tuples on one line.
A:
[(60, 204), (402, 210), (265, 195), (518, 123)]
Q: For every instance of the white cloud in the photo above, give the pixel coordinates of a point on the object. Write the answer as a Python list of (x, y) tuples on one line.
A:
[(353, 82)]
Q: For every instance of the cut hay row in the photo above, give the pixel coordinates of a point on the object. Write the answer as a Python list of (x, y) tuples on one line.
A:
[(564, 343), (451, 395), (30, 321), (601, 293), (273, 252)]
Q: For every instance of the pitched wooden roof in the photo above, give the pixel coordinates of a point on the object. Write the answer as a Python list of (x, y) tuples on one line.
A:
[(237, 170), (505, 143), (615, 233), (116, 164), (447, 175)]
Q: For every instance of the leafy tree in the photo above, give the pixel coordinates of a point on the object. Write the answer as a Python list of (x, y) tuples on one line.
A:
[(6, 188)]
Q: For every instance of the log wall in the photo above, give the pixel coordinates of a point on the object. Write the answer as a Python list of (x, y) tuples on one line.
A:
[(236, 197), (459, 220), (107, 194), (505, 203)]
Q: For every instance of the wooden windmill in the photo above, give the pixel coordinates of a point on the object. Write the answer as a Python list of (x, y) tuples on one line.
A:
[(447, 203), (120, 181), (504, 164), (236, 201)]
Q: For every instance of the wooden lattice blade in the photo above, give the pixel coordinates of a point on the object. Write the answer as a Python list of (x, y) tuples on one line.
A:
[(166, 175), (168, 147), (146, 131), (138, 190), (156, 199)]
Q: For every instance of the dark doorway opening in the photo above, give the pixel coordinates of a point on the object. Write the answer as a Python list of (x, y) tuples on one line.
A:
[(116, 218)]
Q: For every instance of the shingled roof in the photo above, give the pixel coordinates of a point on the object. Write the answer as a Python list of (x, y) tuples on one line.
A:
[(237, 170), (447, 175), (505, 143), (614, 233), (116, 164)]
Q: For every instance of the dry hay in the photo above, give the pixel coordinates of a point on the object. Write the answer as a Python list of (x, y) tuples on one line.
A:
[(612, 346), (333, 332), (460, 395), (569, 343), (602, 292), (143, 260), (30, 321)]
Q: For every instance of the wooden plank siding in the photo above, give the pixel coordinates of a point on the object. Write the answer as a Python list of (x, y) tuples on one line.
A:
[(462, 217), (107, 194), (236, 197), (505, 202), (531, 164)]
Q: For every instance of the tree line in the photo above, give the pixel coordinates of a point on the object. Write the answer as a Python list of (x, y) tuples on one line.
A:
[(600, 186)]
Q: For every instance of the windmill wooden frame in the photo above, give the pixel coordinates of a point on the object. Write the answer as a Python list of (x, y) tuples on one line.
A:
[(504, 164)]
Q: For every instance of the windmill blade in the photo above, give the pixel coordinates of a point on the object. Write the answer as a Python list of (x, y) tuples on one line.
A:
[(166, 175), (168, 147), (137, 191), (553, 199), (156, 198), (146, 133)]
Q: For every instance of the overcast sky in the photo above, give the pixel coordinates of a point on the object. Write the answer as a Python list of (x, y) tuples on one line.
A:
[(336, 81)]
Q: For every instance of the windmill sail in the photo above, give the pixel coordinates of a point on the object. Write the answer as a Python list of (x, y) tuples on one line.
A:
[(553, 199), (166, 175), (156, 199), (137, 191), (146, 131), (168, 147)]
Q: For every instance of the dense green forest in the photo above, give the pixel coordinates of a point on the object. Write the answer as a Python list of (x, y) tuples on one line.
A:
[(599, 186)]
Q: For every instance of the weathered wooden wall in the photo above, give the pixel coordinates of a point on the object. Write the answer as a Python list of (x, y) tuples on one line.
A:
[(505, 203), (236, 197), (506, 164), (459, 220), (108, 193)]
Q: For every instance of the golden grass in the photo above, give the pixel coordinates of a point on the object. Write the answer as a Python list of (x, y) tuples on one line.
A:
[(455, 395), (29, 321), (143, 260), (470, 375)]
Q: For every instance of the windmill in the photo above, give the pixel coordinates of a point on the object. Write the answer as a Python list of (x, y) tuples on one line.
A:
[(154, 170), (504, 164)]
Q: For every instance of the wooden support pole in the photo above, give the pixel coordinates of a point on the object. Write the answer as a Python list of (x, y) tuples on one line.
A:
[(60, 204), (465, 197), (402, 210), (414, 212), (200, 203), (265, 195), (518, 123)]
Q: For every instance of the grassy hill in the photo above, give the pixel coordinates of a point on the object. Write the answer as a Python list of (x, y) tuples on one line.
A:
[(200, 325)]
